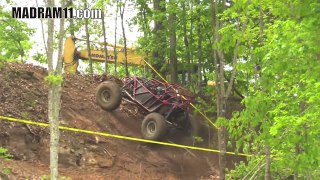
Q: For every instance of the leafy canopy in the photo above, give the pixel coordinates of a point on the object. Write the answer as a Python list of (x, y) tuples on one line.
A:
[(14, 37)]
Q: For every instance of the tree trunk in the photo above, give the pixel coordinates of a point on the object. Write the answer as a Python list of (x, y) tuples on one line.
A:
[(122, 9), (60, 44), (54, 136), (159, 36), (88, 43), (173, 45), (221, 98), (222, 134), (115, 39), (267, 175), (186, 43), (146, 34), (267, 150), (199, 74), (71, 26), (191, 42), (50, 3), (105, 45), (42, 31), (54, 95)]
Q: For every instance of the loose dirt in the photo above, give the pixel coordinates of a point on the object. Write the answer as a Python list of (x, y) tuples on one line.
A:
[(23, 94)]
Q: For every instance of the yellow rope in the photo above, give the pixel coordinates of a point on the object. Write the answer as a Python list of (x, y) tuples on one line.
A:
[(117, 136)]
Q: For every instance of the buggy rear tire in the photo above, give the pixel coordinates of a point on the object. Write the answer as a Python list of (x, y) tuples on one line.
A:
[(108, 95), (154, 126)]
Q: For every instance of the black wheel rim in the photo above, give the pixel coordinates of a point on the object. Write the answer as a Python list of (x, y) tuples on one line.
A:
[(105, 95), (151, 127)]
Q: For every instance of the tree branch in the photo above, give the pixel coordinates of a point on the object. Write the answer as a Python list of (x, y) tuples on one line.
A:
[(233, 74)]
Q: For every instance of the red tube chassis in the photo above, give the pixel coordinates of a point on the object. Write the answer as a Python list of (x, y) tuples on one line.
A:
[(170, 100)]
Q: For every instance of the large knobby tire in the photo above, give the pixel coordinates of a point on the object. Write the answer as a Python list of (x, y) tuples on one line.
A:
[(108, 95), (153, 126)]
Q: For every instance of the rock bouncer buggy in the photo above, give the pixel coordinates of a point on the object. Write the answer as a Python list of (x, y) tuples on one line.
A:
[(167, 104)]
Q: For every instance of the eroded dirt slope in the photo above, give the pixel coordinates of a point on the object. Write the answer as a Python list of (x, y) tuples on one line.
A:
[(23, 94)]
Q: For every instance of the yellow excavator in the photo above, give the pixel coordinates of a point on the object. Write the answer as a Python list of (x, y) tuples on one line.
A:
[(71, 55)]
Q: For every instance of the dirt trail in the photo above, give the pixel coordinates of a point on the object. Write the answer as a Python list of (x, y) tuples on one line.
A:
[(23, 94)]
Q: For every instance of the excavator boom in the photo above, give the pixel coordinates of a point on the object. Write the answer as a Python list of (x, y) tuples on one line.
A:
[(71, 56)]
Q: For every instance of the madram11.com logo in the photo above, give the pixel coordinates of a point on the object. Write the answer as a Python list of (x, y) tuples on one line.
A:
[(55, 12)]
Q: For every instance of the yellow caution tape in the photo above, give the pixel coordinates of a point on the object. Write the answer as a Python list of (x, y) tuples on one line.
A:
[(117, 136), (197, 109)]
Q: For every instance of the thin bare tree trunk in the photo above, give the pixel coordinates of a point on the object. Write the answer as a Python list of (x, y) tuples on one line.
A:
[(50, 3), (60, 43), (42, 30), (185, 40), (190, 63), (199, 73), (88, 42), (222, 93), (221, 99), (267, 148), (71, 26), (173, 45), (115, 38), (122, 9), (159, 36), (54, 106), (105, 45), (54, 95)]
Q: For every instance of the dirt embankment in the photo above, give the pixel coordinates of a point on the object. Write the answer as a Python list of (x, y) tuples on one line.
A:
[(23, 94)]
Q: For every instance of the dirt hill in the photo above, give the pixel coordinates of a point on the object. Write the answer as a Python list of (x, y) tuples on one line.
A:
[(23, 94)]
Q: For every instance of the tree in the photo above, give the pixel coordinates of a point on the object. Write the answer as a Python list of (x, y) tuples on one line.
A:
[(199, 48), (14, 39), (104, 44), (223, 92), (187, 50), (280, 122), (122, 10), (115, 37), (54, 80), (159, 36), (173, 41), (88, 42)]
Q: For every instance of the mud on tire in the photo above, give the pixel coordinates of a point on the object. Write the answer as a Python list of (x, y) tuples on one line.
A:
[(153, 126), (108, 95)]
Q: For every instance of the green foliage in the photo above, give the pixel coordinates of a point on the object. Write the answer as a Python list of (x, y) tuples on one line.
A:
[(248, 171), (40, 57), (53, 79), (134, 71), (193, 32), (5, 154), (15, 37), (281, 62), (97, 68), (7, 171)]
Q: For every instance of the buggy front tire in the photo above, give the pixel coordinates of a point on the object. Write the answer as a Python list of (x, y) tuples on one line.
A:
[(154, 126), (108, 95)]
